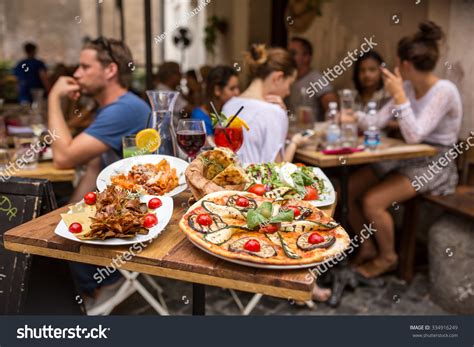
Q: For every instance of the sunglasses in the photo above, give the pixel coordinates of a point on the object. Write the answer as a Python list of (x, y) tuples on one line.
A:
[(105, 44)]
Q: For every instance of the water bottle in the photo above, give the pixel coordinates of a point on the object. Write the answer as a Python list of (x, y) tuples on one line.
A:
[(333, 132), (372, 134)]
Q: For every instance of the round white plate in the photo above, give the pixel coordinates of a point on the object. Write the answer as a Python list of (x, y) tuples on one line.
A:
[(328, 197), (257, 265), (163, 214), (124, 166)]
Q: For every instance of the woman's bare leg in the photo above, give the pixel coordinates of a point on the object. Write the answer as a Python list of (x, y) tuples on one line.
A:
[(360, 182), (395, 188)]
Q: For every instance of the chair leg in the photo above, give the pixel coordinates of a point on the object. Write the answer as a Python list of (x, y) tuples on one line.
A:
[(408, 240)]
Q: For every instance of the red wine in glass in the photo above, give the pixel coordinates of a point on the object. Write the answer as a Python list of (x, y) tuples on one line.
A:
[(191, 141), (235, 135)]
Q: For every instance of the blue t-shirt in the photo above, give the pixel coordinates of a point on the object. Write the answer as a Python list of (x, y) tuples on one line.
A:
[(27, 72), (198, 113), (126, 116)]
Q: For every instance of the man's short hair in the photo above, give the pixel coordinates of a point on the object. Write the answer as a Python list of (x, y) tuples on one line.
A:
[(114, 51), (307, 46), (29, 48), (166, 70)]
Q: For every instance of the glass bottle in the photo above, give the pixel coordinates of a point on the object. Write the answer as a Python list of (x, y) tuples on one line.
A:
[(162, 106)]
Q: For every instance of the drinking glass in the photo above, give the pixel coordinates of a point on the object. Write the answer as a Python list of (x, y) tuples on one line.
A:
[(349, 135), (129, 147), (26, 150), (191, 136), (229, 137)]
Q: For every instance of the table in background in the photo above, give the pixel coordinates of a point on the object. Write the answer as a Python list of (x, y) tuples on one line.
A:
[(171, 255), (46, 170), (389, 149)]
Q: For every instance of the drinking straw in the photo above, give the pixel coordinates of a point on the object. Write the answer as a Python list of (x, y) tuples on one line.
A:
[(219, 122), (235, 115)]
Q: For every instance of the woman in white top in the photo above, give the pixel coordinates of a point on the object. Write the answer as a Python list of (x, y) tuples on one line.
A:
[(428, 110), (272, 71)]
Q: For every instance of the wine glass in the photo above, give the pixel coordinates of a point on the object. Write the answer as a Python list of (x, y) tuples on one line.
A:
[(191, 135)]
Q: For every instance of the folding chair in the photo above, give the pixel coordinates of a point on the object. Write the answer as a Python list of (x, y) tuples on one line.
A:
[(130, 286), (246, 310)]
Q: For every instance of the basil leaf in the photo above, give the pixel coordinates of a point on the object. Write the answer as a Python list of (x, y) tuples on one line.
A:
[(283, 216), (299, 183), (254, 219)]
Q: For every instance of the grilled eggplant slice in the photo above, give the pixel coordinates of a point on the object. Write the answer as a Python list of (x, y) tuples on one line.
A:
[(306, 225), (217, 224), (221, 236), (233, 199), (281, 192), (223, 211), (303, 243), (266, 250)]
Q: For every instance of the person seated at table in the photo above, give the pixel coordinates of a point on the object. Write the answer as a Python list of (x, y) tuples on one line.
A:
[(272, 71), (321, 94), (222, 83), (368, 81), (31, 73), (168, 79), (104, 75), (428, 110)]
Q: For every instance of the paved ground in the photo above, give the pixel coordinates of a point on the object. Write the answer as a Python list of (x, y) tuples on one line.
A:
[(395, 298)]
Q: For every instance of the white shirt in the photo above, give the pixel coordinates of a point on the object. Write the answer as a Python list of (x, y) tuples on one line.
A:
[(434, 118), (268, 125)]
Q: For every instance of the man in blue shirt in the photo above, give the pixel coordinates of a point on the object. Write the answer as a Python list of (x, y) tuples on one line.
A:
[(103, 74), (31, 74)]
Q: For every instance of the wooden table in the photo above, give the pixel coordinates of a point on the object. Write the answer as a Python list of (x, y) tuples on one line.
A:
[(171, 255), (389, 149), (46, 170)]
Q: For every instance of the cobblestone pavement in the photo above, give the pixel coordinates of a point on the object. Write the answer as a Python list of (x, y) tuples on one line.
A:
[(395, 298)]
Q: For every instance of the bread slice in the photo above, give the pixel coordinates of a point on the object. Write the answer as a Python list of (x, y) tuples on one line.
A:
[(232, 174)]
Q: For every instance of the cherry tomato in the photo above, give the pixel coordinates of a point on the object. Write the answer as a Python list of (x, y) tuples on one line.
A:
[(315, 238), (242, 202), (154, 203), (204, 219), (258, 189), (311, 193), (150, 220), (90, 198), (300, 164), (296, 210), (75, 228), (270, 228), (252, 245)]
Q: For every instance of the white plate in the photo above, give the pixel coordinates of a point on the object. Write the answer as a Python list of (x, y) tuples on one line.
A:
[(163, 213), (124, 166), (328, 197), (260, 266)]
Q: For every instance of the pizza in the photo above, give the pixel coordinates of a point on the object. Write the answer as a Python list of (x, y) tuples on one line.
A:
[(244, 226)]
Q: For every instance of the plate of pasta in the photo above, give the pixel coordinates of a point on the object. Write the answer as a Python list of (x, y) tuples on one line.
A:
[(150, 174)]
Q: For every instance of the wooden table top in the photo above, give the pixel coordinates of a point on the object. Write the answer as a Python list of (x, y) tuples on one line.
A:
[(171, 255), (46, 170), (390, 149)]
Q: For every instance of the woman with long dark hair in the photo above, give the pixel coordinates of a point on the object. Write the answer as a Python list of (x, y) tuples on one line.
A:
[(428, 110), (368, 81), (222, 83)]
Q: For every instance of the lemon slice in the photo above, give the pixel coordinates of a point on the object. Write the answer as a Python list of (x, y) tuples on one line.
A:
[(148, 140), (239, 123)]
